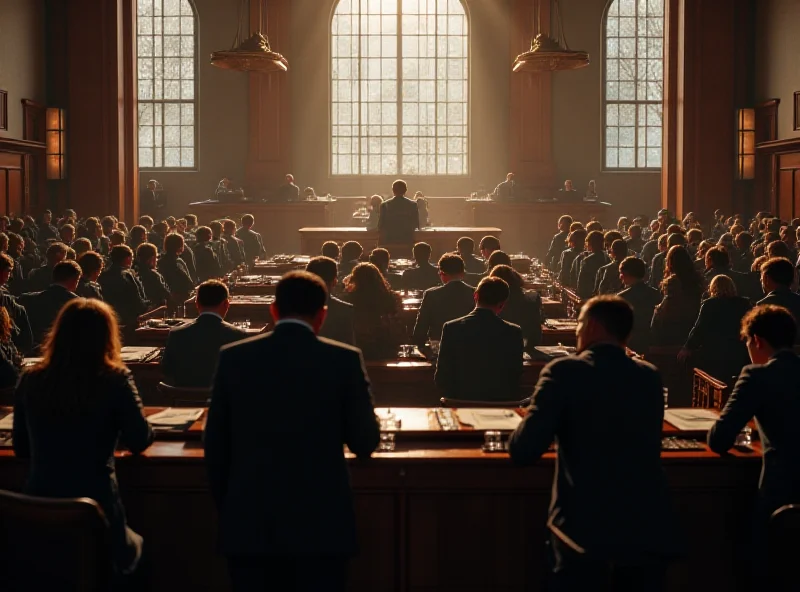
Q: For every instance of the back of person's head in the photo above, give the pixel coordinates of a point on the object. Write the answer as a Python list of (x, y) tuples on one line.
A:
[(300, 294), (66, 272), (145, 252), (146, 221), (211, 294), (674, 229), (758, 262), (451, 265), (375, 202), (6, 263), (623, 222), (593, 226), (171, 221), (330, 249), (679, 263), (82, 245), (635, 231), (596, 241), (619, 249), (17, 243), (55, 252), (325, 268), (422, 253), (216, 228), (380, 258), (247, 220), (744, 240), (366, 282), (352, 251), (774, 225), (498, 258), (612, 313), (191, 219), (229, 226), (565, 221), (577, 238), (399, 187), (173, 243), (90, 263), (779, 270), (492, 292), (736, 229), (66, 231), (722, 287), (575, 226), (510, 276), (779, 248), (117, 237), (138, 234), (465, 245), (695, 235), (662, 241), (203, 234), (490, 244), (633, 267), (107, 223), (160, 228), (120, 254), (717, 257), (773, 324), (675, 239), (610, 236)]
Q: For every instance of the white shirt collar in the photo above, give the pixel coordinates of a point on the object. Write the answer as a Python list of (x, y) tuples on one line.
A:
[(294, 322)]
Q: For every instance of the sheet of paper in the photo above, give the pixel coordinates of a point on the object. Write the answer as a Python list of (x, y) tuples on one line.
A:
[(30, 361), (136, 353), (7, 423), (692, 420), (489, 419), (414, 420), (175, 417)]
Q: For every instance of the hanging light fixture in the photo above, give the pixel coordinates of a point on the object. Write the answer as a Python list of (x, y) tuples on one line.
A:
[(253, 54), (546, 53)]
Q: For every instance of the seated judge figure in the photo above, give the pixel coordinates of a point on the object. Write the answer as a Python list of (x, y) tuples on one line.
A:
[(190, 355), (399, 217), (505, 190), (610, 513), (338, 324), (70, 411), (289, 191), (275, 522), (424, 275), (43, 307), (568, 192), (452, 300), (480, 356), (591, 191)]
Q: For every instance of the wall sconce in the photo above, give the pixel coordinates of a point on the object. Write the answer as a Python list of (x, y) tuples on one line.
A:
[(746, 144), (56, 143)]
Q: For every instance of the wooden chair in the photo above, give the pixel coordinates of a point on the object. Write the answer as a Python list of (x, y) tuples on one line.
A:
[(185, 396), (54, 544), (461, 403), (708, 392), (784, 544)]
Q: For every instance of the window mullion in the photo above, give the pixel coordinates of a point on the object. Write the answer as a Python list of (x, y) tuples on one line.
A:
[(400, 87)]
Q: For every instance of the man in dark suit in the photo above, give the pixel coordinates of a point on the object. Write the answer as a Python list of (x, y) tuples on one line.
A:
[(635, 242), (608, 280), (480, 358), (235, 244), (587, 273), (43, 307), (253, 245), (338, 324), (122, 289), (380, 258), (20, 325), (47, 232), (288, 191), (643, 300), (576, 241), (41, 277), (777, 277), (466, 249), (209, 266), (453, 300), (156, 289), (266, 470), (424, 275), (718, 262), (399, 217), (190, 355), (173, 269), (610, 515), (559, 243), (769, 391), (488, 245), (505, 190), (660, 260), (91, 267)]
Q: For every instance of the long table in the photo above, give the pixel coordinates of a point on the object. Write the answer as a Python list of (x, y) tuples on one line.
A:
[(433, 516)]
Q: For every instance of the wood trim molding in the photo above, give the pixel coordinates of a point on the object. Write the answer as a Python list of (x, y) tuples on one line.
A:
[(33, 120), (21, 146), (779, 146), (3, 110)]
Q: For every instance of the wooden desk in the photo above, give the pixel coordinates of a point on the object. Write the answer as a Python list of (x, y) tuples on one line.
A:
[(441, 239), (277, 222), (529, 227), (448, 519)]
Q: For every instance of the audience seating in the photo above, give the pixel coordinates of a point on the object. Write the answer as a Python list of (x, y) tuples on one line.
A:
[(53, 544), (185, 397)]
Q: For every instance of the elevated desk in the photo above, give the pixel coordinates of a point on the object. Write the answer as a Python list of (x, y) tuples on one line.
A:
[(442, 239), (528, 227)]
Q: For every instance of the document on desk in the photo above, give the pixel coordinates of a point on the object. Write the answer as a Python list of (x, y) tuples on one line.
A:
[(175, 417), (411, 419), (489, 419), (136, 353), (691, 420), (7, 423)]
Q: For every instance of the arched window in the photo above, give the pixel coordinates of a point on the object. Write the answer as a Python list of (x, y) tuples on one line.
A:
[(634, 84), (166, 53), (399, 88)]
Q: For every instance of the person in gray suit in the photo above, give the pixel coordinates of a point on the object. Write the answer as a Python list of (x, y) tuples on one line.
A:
[(399, 217), (338, 324), (190, 356)]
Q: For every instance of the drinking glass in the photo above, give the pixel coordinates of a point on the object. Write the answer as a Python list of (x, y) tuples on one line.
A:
[(493, 440), (386, 442), (745, 437)]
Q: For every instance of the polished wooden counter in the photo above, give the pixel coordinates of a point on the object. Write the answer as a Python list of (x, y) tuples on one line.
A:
[(439, 518), (528, 227)]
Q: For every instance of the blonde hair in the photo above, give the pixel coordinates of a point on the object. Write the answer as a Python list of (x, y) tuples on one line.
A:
[(722, 287), (375, 201)]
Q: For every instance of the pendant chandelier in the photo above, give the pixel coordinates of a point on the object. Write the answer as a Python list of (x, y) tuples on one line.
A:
[(546, 53), (253, 54)]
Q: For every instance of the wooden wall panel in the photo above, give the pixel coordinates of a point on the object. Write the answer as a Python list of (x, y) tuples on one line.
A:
[(782, 180), (20, 163)]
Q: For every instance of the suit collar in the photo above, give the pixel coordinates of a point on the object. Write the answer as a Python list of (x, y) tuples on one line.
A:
[(784, 354), (606, 349)]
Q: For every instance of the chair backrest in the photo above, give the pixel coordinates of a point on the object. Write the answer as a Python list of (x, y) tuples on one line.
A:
[(784, 544), (54, 544), (462, 403), (708, 392), (185, 396)]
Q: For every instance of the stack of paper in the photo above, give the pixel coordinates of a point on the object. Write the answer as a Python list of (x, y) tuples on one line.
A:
[(175, 417), (489, 419), (691, 420)]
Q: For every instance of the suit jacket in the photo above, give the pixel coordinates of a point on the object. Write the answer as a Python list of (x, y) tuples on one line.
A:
[(399, 219), (565, 265), (439, 305), (123, 291), (674, 318), (252, 243), (615, 507), (657, 270), (635, 244), (288, 192), (88, 289), (770, 393), (266, 471), (575, 268), (643, 299), (46, 232), (505, 190), (208, 264), (156, 289), (787, 299), (473, 265), (75, 457), (421, 277), (649, 251), (176, 275), (187, 256), (235, 249), (524, 309), (607, 280), (40, 278), (43, 308), (588, 274), (190, 356), (480, 358), (16, 282), (715, 340), (21, 333), (557, 246), (338, 324)]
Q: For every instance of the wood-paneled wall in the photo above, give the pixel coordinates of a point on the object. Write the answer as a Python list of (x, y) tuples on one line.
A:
[(21, 169), (780, 179)]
